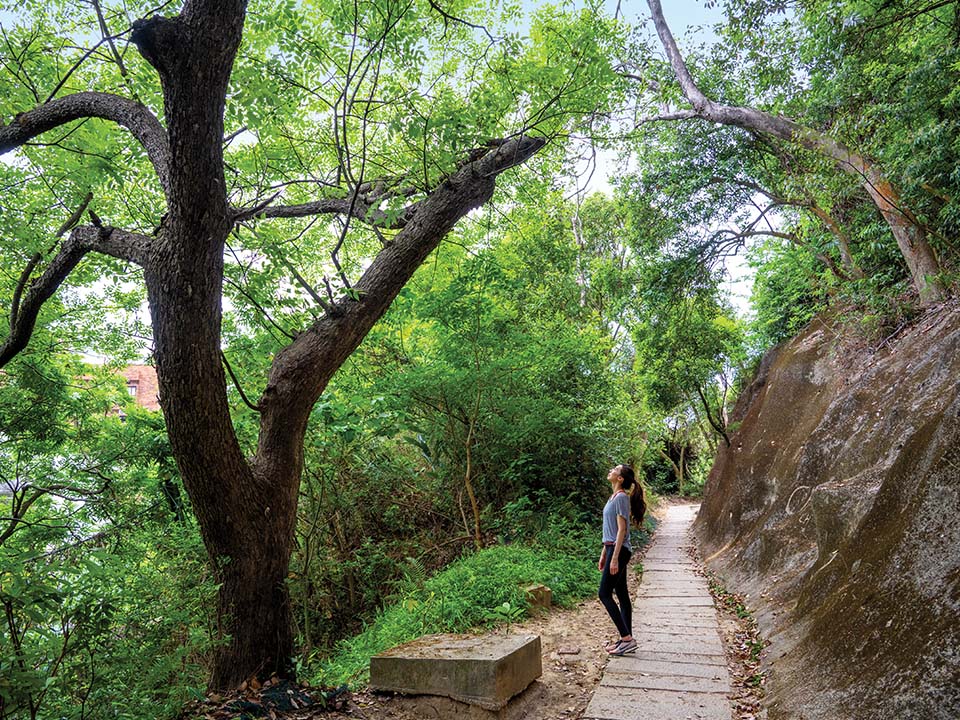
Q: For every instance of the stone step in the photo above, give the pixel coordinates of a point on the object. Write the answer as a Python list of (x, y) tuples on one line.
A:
[(674, 602), (675, 657), (613, 703), (667, 624), (686, 645), (677, 683), (661, 592), (639, 666)]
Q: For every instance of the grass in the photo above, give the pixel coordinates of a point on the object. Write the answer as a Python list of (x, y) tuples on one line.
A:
[(478, 591)]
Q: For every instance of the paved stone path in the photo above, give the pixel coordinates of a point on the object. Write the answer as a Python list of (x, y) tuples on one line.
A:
[(678, 671)]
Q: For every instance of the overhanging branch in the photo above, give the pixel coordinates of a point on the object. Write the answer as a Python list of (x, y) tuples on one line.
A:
[(135, 117)]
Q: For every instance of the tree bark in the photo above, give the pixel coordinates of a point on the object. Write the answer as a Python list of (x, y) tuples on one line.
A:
[(843, 242), (911, 239)]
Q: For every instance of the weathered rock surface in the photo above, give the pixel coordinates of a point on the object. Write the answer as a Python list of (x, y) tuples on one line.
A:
[(837, 509), (486, 671)]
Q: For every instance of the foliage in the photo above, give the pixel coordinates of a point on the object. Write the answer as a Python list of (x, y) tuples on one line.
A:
[(548, 337), (481, 589), (106, 597), (490, 349)]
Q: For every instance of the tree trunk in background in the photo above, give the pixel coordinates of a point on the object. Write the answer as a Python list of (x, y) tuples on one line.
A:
[(843, 242)]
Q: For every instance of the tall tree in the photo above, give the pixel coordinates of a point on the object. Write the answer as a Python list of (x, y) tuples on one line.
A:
[(907, 230), (246, 506)]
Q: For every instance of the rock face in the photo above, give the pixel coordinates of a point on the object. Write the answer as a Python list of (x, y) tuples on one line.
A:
[(837, 509)]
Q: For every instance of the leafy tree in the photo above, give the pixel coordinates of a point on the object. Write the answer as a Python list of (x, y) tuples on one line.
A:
[(908, 231), (338, 107)]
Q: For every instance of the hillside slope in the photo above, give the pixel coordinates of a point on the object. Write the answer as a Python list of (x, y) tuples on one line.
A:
[(837, 509)]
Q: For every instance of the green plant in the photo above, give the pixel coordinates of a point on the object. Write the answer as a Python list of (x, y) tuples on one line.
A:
[(481, 588), (505, 614)]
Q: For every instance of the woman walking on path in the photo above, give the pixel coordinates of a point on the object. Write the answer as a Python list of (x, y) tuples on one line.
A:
[(616, 553)]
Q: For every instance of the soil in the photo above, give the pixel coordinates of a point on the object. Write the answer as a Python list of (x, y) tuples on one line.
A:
[(573, 660)]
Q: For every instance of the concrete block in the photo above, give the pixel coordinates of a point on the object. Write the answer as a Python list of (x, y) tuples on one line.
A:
[(486, 671), (540, 597)]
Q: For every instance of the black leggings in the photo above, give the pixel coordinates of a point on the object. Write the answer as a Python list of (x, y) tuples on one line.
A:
[(610, 584)]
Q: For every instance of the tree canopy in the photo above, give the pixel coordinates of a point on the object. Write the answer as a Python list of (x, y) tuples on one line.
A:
[(349, 237)]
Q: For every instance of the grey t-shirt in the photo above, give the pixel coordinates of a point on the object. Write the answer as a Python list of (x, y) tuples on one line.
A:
[(619, 504)]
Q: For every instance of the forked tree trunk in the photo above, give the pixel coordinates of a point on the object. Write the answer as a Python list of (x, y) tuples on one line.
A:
[(910, 236), (246, 509)]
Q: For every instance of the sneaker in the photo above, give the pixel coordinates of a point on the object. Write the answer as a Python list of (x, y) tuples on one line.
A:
[(612, 645), (624, 647)]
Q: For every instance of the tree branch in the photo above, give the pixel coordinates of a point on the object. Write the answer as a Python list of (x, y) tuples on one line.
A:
[(109, 241), (361, 209), (135, 117), (302, 370), (667, 116), (236, 383), (690, 89)]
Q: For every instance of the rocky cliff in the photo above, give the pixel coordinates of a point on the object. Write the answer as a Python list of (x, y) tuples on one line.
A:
[(837, 510)]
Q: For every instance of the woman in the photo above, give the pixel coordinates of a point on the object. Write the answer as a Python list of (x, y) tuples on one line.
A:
[(616, 553)]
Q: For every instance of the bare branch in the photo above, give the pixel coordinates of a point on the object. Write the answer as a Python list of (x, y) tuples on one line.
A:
[(690, 89), (75, 217), (248, 213), (109, 38), (452, 18), (677, 115), (361, 210), (134, 116), (243, 395)]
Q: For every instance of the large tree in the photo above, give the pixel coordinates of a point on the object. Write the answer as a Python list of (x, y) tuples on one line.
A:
[(908, 231), (409, 152)]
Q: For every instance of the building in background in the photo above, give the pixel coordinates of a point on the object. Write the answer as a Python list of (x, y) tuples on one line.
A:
[(142, 385)]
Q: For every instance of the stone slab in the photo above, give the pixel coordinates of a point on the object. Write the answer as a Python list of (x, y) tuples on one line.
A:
[(637, 666), (675, 632), (676, 657), (611, 703), (677, 683), (671, 624), (690, 645), (690, 602), (653, 610), (486, 671), (703, 636), (672, 585), (660, 592)]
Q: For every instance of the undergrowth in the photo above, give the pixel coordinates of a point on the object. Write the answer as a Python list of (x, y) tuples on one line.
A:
[(482, 589)]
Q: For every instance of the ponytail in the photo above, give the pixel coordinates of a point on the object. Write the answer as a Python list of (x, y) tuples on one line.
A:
[(638, 504)]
